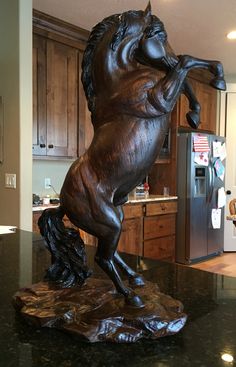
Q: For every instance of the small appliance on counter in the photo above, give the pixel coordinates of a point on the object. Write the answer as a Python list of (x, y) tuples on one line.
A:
[(37, 200)]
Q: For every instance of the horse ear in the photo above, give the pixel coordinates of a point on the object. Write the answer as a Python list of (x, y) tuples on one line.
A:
[(148, 10)]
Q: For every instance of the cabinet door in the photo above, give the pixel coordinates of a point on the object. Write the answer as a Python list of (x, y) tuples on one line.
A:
[(160, 248), (131, 236), (207, 97), (39, 96), (62, 100)]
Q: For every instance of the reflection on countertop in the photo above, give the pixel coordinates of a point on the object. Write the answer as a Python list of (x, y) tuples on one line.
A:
[(209, 301), (131, 200)]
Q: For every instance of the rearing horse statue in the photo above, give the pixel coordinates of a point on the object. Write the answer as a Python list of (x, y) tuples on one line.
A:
[(132, 80)]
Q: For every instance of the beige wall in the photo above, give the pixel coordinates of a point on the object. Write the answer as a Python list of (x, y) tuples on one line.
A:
[(16, 90), (55, 170)]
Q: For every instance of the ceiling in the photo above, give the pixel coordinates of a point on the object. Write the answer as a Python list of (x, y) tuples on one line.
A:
[(196, 28)]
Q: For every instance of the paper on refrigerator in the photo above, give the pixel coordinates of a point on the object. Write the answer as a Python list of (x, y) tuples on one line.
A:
[(201, 158), (221, 200), (216, 218), (219, 150)]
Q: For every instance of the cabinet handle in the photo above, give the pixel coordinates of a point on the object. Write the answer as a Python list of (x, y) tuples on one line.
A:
[(50, 146), (42, 145)]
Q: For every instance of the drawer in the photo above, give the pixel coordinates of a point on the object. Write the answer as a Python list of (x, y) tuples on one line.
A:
[(133, 211), (162, 207), (159, 226), (160, 248)]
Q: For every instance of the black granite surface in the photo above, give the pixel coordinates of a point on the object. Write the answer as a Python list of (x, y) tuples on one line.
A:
[(209, 300)]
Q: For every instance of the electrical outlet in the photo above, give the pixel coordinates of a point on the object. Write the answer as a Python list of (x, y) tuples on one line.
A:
[(10, 180), (47, 183)]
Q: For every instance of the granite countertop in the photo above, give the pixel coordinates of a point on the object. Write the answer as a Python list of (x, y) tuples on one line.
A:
[(131, 200), (209, 300)]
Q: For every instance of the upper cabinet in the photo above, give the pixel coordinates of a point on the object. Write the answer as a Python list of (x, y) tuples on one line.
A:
[(61, 120), (207, 97)]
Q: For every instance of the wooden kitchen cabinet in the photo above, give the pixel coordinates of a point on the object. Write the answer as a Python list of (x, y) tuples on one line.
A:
[(131, 239), (159, 230), (55, 98), (61, 120), (149, 230), (207, 97)]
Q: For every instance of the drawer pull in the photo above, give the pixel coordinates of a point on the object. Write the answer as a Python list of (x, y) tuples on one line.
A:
[(42, 145), (50, 146)]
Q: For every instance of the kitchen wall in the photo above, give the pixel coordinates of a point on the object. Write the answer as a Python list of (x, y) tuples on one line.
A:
[(55, 170), (16, 90), (230, 78)]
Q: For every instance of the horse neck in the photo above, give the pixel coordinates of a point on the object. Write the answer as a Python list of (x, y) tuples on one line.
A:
[(114, 64)]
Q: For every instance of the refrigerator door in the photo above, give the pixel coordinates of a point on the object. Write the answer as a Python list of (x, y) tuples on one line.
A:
[(215, 235), (192, 209)]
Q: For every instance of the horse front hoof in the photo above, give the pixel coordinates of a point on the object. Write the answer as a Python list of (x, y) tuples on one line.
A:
[(133, 300), (218, 83), (137, 281), (193, 119)]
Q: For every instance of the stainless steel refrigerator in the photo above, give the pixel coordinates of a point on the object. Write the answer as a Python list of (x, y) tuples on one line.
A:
[(200, 221)]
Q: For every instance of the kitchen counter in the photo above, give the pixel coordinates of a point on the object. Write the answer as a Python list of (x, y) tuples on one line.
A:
[(149, 198), (209, 300), (131, 200)]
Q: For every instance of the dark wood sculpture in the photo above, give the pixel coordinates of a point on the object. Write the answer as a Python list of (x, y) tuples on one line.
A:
[(132, 80)]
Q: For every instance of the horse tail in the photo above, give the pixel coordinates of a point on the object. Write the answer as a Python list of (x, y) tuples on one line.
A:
[(69, 263)]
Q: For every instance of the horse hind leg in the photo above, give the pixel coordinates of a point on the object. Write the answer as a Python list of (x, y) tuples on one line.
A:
[(108, 234), (135, 279)]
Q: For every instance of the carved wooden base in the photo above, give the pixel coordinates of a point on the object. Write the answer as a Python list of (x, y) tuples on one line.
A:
[(97, 313)]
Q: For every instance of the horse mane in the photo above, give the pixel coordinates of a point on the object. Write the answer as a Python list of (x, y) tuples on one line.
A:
[(95, 37)]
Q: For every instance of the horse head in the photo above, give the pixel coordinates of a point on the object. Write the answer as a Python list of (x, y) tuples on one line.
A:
[(119, 45)]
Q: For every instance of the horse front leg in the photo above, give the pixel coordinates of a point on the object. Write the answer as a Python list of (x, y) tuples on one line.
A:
[(193, 116), (165, 93), (214, 67)]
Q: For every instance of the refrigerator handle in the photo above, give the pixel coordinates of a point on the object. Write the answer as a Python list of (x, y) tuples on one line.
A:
[(210, 183)]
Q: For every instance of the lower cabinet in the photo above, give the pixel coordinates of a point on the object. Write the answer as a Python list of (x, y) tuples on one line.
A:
[(131, 239), (148, 230)]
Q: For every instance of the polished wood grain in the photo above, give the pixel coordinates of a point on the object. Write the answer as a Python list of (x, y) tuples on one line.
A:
[(224, 264)]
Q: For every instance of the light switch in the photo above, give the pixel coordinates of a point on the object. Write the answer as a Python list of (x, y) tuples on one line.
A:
[(10, 180)]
